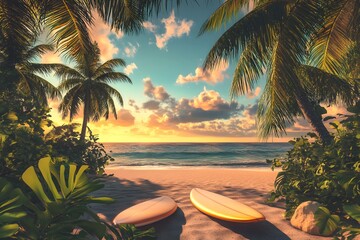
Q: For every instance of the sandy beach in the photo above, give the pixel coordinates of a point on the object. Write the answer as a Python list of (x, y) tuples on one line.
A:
[(250, 186)]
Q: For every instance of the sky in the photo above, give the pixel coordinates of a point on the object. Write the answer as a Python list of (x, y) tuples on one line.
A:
[(172, 99)]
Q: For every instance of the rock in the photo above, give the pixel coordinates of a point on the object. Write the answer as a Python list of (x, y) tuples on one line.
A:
[(304, 217)]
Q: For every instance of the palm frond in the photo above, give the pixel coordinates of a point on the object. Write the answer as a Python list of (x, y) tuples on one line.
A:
[(253, 27), (19, 27), (69, 83), (127, 15), (325, 87), (37, 51), (43, 68), (71, 103), (228, 10), (252, 64), (69, 21), (113, 77), (112, 91), (332, 42), (109, 65), (121, 14), (38, 88), (65, 72)]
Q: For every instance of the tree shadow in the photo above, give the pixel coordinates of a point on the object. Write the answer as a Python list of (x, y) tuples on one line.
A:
[(126, 193), (259, 230), (170, 227)]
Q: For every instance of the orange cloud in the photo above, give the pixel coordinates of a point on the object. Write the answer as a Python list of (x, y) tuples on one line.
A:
[(100, 33), (254, 93), (208, 100), (212, 76), (173, 28)]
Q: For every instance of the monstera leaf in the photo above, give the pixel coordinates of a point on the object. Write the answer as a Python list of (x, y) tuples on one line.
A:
[(11, 202), (326, 222), (62, 196), (353, 211)]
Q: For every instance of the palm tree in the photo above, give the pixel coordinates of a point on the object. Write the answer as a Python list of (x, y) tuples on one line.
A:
[(87, 84), (275, 37), (68, 23)]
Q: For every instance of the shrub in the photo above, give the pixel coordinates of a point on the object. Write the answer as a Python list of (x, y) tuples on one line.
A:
[(65, 142), (328, 174)]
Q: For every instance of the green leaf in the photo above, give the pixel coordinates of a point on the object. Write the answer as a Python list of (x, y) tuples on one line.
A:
[(8, 230), (353, 211), (44, 166), (31, 179), (326, 222)]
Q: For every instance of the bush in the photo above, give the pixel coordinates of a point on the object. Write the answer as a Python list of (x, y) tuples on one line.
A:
[(65, 142), (328, 174)]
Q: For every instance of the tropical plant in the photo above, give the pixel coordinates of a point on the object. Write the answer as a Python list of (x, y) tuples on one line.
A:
[(68, 21), (276, 37), (328, 174), (88, 84), (60, 203), (65, 143), (11, 208), (130, 232)]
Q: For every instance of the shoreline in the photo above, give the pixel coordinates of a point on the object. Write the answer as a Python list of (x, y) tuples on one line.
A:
[(249, 186), (254, 169)]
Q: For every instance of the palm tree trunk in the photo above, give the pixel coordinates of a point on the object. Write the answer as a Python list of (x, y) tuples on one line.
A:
[(312, 116), (85, 120)]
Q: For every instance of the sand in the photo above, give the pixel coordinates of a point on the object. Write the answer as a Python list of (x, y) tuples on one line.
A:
[(250, 186)]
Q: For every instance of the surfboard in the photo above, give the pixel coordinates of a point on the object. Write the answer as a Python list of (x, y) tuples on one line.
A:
[(224, 208), (147, 212)]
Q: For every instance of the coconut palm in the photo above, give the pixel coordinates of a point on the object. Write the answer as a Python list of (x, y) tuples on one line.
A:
[(68, 23), (87, 84), (275, 37)]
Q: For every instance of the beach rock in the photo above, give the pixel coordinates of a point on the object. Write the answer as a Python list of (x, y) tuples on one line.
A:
[(304, 217)]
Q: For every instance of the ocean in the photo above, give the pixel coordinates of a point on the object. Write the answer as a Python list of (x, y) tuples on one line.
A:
[(228, 155)]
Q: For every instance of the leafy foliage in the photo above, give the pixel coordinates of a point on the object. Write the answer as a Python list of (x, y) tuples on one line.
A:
[(130, 232), (328, 174), (11, 211), (61, 198), (278, 38), (326, 222), (65, 143)]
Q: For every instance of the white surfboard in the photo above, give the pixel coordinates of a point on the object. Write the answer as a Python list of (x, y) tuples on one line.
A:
[(147, 212)]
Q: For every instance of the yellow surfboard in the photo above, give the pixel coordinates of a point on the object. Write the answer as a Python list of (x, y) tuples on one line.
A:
[(147, 212), (223, 208)]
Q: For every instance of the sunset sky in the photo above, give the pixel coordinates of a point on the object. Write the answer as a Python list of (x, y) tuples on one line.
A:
[(172, 99)]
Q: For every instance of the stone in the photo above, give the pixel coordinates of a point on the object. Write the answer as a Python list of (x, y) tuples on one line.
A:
[(304, 217)]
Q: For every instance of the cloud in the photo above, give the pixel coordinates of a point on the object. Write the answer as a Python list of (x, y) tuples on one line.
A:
[(149, 26), (158, 93), (208, 105), (130, 50), (173, 28), (133, 104), (254, 93), (101, 32), (129, 69), (151, 105), (213, 76), (125, 118)]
